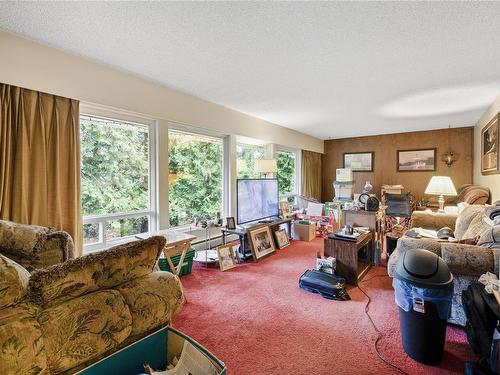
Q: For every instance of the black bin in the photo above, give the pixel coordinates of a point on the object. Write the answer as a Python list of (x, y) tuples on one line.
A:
[(423, 288)]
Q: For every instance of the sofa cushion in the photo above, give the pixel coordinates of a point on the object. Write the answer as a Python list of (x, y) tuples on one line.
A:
[(153, 300), (22, 349), (465, 219), (105, 269), (13, 282), (80, 330), (34, 246)]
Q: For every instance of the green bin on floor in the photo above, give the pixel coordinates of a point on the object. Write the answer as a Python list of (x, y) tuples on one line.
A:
[(187, 266)]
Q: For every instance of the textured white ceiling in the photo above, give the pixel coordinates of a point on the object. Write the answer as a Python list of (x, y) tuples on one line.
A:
[(327, 69)]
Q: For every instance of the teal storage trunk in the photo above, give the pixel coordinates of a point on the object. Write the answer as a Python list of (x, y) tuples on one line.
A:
[(157, 350), (187, 266)]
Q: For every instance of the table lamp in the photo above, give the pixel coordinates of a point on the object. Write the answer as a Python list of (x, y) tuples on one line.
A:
[(266, 166), (441, 185)]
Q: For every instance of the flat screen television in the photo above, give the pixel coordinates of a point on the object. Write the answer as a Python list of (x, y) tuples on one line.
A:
[(257, 199)]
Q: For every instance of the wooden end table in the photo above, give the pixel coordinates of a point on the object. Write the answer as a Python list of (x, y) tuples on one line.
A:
[(354, 257)]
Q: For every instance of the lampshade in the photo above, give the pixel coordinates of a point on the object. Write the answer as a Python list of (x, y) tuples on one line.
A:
[(441, 185), (266, 166)]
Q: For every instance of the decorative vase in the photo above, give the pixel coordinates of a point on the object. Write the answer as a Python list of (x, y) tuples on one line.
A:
[(368, 187)]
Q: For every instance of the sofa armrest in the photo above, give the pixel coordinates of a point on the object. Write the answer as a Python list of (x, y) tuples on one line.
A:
[(408, 243), (102, 270), (34, 246), (433, 220), (468, 260)]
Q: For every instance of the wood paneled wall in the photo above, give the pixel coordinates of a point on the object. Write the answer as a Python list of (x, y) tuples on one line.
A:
[(385, 169)]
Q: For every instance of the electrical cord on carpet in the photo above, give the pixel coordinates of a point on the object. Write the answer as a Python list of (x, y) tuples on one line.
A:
[(379, 334)]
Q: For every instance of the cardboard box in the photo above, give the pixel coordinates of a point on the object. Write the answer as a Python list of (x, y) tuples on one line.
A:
[(304, 232)]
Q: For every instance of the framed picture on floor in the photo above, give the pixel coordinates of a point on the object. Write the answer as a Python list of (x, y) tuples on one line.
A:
[(423, 160), (359, 161), (261, 241), (282, 239), (490, 151), (226, 257)]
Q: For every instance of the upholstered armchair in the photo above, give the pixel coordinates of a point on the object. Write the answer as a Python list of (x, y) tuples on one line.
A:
[(34, 246), (468, 193)]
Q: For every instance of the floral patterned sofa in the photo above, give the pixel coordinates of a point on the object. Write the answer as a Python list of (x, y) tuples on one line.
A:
[(466, 261), (61, 318)]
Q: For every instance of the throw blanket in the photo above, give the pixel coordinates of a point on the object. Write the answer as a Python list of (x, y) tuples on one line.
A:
[(492, 212)]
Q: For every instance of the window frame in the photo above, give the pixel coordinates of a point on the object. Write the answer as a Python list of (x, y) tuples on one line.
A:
[(224, 138), (297, 186), (152, 210), (249, 145)]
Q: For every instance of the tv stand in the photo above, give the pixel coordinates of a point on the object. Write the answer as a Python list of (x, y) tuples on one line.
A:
[(242, 232)]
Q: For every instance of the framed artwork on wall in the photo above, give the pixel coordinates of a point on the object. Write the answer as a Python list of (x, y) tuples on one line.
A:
[(262, 241), (359, 161), (422, 160), (490, 151)]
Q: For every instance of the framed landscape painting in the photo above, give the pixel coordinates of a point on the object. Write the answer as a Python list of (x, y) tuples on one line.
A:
[(423, 160), (359, 161), (490, 147)]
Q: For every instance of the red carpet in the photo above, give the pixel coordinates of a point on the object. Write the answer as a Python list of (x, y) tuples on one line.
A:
[(257, 320)]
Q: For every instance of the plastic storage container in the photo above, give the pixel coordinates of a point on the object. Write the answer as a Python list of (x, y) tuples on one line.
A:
[(344, 190), (186, 267), (157, 350), (423, 287)]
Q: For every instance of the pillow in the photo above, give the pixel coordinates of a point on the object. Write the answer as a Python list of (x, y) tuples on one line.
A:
[(465, 218), (13, 282), (476, 227)]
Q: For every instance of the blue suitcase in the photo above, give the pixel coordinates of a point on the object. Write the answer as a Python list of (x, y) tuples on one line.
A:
[(327, 285)]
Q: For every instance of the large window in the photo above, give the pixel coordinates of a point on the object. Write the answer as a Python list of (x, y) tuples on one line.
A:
[(286, 161), (115, 179), (195, 177), (246, 156)]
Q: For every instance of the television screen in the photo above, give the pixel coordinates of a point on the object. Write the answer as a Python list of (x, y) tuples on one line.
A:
[(257, 199)]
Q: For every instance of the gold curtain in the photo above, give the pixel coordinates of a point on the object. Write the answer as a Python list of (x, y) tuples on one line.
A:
[(311, 174), (40, 160)]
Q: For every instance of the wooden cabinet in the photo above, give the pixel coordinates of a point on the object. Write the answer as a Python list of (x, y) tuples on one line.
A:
[(354, 258)]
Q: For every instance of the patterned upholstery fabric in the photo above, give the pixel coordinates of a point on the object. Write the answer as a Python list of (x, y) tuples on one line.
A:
[(466, 262), (33, 246), (151, 299), (83, 328), (22, 349), (13, 282), (105, 269), (490, 237), (73, 314)]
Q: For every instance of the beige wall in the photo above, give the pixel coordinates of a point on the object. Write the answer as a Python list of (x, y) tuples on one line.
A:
[(385, 164), (32, 65), (491, 181)]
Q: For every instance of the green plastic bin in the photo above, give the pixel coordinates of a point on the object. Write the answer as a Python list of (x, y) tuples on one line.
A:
[(187, 266), (157, 350)]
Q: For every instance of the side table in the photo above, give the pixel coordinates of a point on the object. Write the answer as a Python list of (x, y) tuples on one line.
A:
[(354, 257)]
